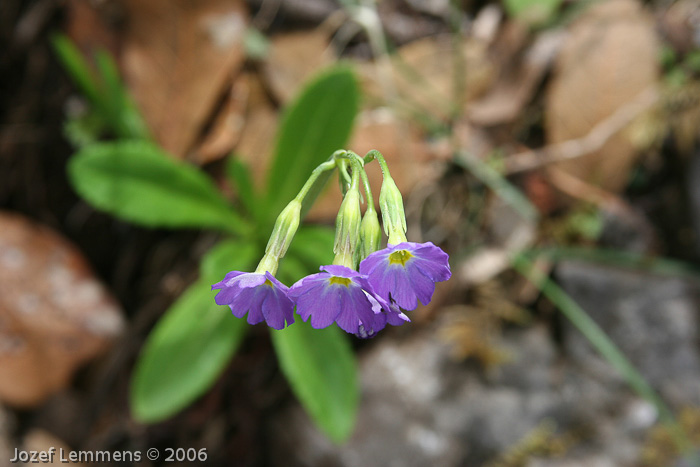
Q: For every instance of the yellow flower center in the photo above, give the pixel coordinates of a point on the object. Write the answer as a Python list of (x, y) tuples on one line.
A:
[(400, 257), (267, 282), (340, 280)]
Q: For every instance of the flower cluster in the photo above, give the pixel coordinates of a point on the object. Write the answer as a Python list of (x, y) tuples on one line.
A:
[(360, 300)]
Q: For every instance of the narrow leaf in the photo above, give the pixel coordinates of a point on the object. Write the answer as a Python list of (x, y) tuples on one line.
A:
[(123, 115), (136, 181), (315, 125), (320, 367), (76, 66), (239, 174), (533, 12), (190, 345)]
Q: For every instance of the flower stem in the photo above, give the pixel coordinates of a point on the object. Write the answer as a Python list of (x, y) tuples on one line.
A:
[(347, 232), (376, 155), (323, 167), (365, 184), (390, 202)]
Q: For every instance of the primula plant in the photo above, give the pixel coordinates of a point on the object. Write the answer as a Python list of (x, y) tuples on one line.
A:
[(389, 281), (119, 169)]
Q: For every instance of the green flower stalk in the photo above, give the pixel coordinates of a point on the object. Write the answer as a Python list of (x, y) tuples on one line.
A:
[(370, 231), (366, 287), (390, 202), (347, 224)]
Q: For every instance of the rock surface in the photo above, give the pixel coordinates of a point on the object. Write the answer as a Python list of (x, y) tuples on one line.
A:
[(420, 407)]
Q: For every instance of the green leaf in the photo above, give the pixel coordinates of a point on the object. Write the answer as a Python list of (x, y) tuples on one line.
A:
[(84, 129), (533, 12), (76, 66), (136, 181), (320, 367), (190, 345), (239, 174), (122, 113), (184, 354), (103, 88), (315, 125)]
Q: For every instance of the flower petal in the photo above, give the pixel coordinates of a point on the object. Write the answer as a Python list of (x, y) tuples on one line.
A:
[(340, 271), (326, 307), (361, 307), (401, 290), (252, 279), (276, 309), (229, 277), (374, 260), (423, 287)]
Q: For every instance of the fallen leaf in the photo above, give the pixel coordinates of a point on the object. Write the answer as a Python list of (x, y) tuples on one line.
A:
[(259, 131), (179, 58), (680, 25), (423, 73), (609, 58), (88, 27), (54, 314), (293, 58), (507, 98), (227, 128)]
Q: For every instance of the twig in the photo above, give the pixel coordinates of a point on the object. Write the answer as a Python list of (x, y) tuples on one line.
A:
[(591, 142)]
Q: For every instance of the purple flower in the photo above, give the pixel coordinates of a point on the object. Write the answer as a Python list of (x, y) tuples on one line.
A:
[(339, 294), (260, 295), (407, 272), (394, 316)]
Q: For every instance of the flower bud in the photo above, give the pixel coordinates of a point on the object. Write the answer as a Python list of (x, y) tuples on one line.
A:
[(347, 228), (391, 204), (285, 227), (370, 234)]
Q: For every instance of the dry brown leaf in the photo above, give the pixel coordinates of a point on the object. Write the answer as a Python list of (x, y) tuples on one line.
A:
[(179, 57), (258, 138), (608, 60), (228, 126), (680, 25), (424, 71), (87, 27), (507, 98), (424, 76), (293, 58), (54, 314)]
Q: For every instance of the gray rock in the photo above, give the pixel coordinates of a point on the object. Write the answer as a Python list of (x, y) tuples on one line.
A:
[(653, 319), (625, 228), (420, 407)]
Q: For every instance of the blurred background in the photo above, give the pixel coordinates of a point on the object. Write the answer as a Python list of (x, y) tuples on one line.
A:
[(550, 147)]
